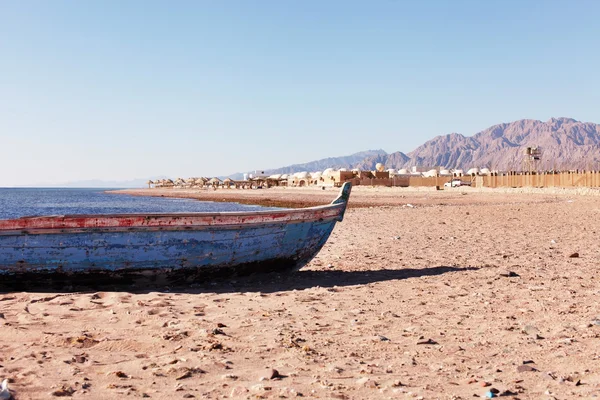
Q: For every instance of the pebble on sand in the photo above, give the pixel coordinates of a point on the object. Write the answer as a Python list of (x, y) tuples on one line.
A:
[(65, 391), (273, 374)]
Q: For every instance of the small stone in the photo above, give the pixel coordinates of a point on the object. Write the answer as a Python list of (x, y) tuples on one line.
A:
[(339, 396), (238, 391), (335, 368), (121, 374), (366, 382), (526, 368), (508, 274), (574, 255), (65, 391), (189, 396), (382, 338), (185, 375), (80, 359), (530, 330), (484, 384), (273, 374)]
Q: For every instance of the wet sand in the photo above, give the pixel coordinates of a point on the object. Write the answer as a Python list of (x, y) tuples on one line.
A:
[(417, 294)]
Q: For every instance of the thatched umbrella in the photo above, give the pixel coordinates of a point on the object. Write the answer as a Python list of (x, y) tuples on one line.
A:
[(200, 182), (189, 182), (179, 182), (227, 182), (215, 182), (150, 183)]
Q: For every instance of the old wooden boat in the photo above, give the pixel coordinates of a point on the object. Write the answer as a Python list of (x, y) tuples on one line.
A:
[(243, 241)]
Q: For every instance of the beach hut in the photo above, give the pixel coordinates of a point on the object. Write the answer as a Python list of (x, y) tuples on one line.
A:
[(328, 172), (431, 173), (301, 178)]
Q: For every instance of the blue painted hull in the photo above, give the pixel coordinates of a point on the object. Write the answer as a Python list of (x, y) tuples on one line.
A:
[(113, 251), (74, 244)]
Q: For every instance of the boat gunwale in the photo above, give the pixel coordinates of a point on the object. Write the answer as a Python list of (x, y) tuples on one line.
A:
[(177, 214)]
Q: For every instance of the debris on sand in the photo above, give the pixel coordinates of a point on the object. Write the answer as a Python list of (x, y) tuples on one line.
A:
[(508, 274), (428, 341), (4, 391)]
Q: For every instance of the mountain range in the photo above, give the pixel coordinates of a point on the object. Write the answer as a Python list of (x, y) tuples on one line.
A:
[(565, 143)]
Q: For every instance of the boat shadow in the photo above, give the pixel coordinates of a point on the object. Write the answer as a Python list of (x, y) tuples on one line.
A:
[(260, 282)]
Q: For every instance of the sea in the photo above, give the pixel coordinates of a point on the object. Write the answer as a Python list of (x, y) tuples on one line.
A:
[(23, 202)]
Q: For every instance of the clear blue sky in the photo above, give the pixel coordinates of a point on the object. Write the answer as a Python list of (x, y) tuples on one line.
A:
[(132, 89)]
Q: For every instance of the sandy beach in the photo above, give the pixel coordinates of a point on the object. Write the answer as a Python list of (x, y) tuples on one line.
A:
[(418, 294)]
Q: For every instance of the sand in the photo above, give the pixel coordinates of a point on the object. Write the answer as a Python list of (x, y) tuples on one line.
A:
[(457, 294)]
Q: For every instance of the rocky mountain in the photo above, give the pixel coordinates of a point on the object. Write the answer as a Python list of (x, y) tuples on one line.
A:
[(319, 165), (565, 144)]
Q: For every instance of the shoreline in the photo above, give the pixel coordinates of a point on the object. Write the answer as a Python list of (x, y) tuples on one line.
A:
[(362, 196)]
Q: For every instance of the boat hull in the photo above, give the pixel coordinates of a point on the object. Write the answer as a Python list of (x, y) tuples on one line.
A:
[(267, 240)]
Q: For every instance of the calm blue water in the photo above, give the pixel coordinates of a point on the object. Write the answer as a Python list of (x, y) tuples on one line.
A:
[(15, 203)]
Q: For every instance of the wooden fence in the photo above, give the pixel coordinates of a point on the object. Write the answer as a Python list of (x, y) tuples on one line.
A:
[(541, 179), (508, 179)]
